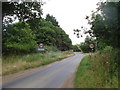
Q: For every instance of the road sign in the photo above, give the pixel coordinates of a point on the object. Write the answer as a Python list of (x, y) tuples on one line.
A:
[(41, 47), (91, 45)]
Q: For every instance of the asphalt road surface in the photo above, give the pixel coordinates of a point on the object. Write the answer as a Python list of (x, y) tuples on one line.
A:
[(53, 76)]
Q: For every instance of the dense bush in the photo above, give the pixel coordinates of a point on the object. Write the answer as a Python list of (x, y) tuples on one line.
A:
[(51, 48), (50, 34), (98, 70), (76, 48), (85, 46), (107, 66), (18, 38), (23, 37), (105, 23), (32, 29)]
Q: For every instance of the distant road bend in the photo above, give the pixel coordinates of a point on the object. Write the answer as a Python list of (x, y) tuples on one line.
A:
[(53, 76)]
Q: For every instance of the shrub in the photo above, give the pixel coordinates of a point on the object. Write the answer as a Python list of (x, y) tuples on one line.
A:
[(76, 48), (51, 48), (18, 38)]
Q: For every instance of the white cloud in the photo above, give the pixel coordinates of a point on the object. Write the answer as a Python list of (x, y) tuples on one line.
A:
[(70, 14)]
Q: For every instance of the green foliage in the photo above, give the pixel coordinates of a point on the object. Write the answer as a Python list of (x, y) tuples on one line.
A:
[(85, 46), (17, 63), (51, 35), (51, 48), (76, 48), (98, 71), (108, 48), (63, 41), (21, 10), (31, 29), (85, 77), (109, 60), (52, 19), (101, 45), (24, 37), (18, 38), (107, 66), (106, 26)]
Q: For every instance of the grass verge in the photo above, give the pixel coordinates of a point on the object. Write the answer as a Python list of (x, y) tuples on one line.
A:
[(14, 64), (93, 72), (0, 65), (84, 76)]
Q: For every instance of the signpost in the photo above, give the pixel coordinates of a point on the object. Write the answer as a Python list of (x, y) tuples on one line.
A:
[(92, 46), (41, 47)]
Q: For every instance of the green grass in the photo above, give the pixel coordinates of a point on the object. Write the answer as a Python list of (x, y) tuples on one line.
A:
[(85, 77), (14, 64), (92, 74)]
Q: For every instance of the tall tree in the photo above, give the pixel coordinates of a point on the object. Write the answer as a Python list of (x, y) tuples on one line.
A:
[(106, 23), (52, 19), (49, 34), (18, 38), (21, 10), (85, 46)]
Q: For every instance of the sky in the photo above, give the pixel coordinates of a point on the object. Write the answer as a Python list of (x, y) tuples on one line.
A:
[(70, 14)]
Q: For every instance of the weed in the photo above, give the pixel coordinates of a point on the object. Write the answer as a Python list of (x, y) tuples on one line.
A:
[(98, 70)]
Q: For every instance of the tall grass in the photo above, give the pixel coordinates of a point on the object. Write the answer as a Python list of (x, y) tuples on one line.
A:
[(99, 70), (107, 66), (13, 64), (83, 73)]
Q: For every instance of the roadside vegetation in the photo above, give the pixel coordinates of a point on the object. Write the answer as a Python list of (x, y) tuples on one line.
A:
[(100, 69), (24, 36), (21, 39), (15, 63), (84, 46)]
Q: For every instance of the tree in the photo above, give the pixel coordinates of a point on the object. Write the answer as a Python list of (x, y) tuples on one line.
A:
[(85, 46), (52, 19), (18, 38), (50, 34), (76, 48), (22, 10), (106, 23)]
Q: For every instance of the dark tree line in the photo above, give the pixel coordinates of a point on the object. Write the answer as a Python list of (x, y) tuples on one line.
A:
[(32, 29)]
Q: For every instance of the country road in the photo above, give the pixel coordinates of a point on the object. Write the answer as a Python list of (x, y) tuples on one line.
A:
[(52, 76)]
